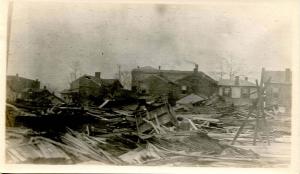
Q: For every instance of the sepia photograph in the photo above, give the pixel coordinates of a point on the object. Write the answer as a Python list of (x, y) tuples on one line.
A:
[(159, 84)]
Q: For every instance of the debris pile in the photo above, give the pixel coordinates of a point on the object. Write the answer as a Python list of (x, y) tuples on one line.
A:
[(166, 147), (27, 146), (138, 133)]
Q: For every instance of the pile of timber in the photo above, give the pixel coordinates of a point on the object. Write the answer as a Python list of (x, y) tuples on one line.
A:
[(147, 119), (111, 121), (21, 148), (27, 146), (162, 148), (130, 119), (155, 118), (72, 147), (215, 118)]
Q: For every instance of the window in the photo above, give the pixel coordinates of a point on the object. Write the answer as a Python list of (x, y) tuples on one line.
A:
[(245, 93), (227, 91)]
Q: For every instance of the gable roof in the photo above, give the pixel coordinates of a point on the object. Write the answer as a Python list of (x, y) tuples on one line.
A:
[(228, 82), (164, 79), (109, 82), (14, 77), (166, 73), (99, 81), (190, 99), (17, 83), (277, 77), (198, 75)]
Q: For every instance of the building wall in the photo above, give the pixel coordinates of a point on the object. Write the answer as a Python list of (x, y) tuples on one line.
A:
[(198, 85), (279, 94), (15, 86), (19, 83), (236, 96), (194, 82), (235, 92), (87, 89), (83, 82), (158, 88)]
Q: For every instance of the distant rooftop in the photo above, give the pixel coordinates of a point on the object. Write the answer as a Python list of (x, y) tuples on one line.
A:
[(104, 82), (8, 77), (283, 77), (228, 82), (152, 69)]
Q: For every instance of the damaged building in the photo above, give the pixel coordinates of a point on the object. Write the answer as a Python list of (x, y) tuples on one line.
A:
[(89, 89), (158, 82), (279, 88)]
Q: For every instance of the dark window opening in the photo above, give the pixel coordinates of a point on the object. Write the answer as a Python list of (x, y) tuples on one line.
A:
[(245, 93), (227, 91)]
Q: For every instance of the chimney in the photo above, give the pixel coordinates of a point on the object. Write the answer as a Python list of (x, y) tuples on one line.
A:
[(159, 71), (196, 68), (246, 78), (98, 75), (288, 75), (237, 81)]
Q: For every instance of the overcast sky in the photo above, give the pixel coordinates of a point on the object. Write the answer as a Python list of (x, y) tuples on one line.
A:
[(46, 37)]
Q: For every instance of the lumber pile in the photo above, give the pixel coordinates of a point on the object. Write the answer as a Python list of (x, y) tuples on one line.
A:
[(131, 134), (21, 148), (161, 148), (26, 146)]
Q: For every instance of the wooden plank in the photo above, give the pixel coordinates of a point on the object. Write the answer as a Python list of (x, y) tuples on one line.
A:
[(145, 126), (152, 124), (192, 124), (242, 127)]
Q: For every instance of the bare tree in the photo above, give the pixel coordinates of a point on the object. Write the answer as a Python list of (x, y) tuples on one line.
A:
[(75, 70), (230, 67)]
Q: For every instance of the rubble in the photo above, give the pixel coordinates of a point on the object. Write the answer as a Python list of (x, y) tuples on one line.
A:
[(137, 132), (74, 147)]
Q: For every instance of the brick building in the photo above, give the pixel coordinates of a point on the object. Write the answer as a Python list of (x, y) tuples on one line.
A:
[(158, 82), (279, 88), (89, 89), (17, 87)]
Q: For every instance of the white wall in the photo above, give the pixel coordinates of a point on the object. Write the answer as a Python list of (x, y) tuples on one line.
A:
[(235, 92), (220, 91)]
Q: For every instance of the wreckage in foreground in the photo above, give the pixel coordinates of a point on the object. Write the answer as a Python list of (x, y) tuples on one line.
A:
[(129, 129)]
